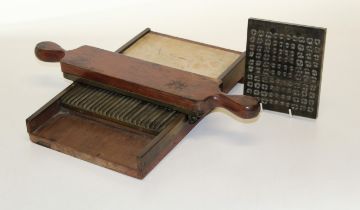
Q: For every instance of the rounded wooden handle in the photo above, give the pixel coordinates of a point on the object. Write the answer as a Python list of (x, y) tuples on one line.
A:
[(243, 106), (49, 52)]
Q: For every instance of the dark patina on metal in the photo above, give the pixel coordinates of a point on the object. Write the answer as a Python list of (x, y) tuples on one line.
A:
[(284, 65), (119, 108)]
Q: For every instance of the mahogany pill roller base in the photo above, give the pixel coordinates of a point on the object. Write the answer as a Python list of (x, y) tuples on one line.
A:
[(125, 113)]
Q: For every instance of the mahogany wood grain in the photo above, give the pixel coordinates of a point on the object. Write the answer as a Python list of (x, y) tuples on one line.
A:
[(178, 88), (111, 145), (127, 150), (49, 52)]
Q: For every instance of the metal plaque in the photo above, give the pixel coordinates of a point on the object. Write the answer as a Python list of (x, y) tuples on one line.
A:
[(284, 65)]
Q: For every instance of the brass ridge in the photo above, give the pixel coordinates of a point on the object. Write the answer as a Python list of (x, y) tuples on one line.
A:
[(119, 108)]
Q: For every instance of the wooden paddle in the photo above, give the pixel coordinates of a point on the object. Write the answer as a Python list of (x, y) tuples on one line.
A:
[(184, 90)]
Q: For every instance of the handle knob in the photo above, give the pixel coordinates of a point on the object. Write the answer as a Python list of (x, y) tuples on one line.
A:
[(49, 52), (243, 106)]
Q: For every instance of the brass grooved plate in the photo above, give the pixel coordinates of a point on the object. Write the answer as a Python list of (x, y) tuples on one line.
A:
[(118, 108)]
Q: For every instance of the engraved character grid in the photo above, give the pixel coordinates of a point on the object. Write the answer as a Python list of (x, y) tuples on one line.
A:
[(283, 70)]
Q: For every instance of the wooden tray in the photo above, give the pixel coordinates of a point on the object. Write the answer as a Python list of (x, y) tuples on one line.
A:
[(111, 145), (126, 149)]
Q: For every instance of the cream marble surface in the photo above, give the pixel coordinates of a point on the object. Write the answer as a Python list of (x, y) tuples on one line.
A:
[(187, 56)]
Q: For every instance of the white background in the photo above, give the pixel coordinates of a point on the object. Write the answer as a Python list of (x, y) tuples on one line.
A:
[(276, 162)]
